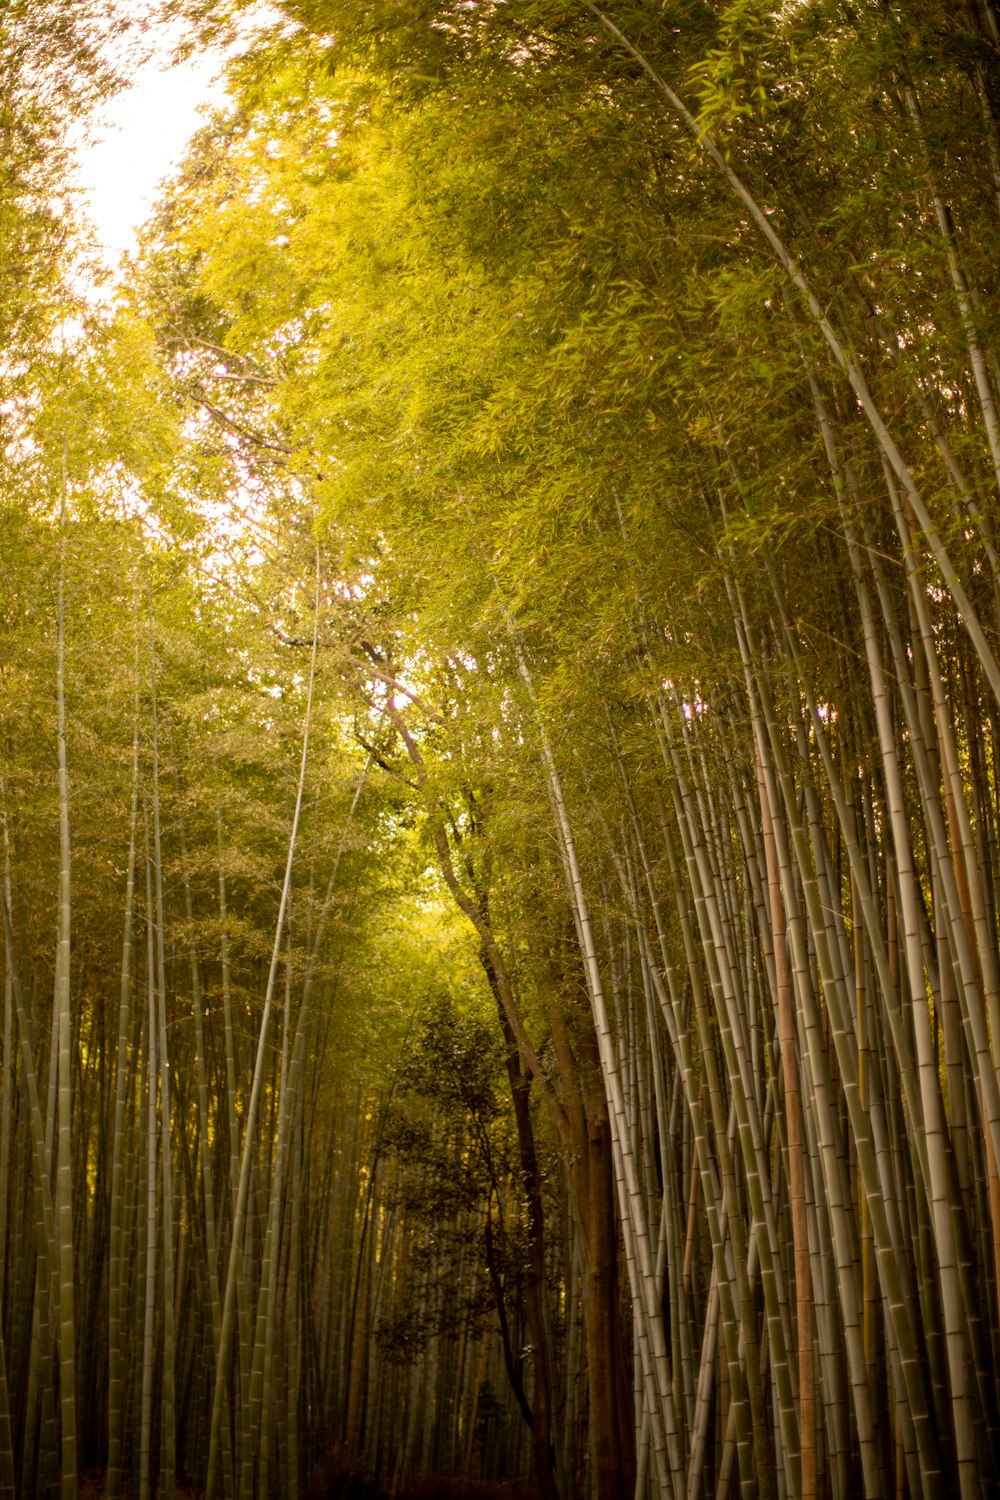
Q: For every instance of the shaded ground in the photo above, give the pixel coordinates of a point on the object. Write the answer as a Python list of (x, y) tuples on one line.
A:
[(344, 1486), (330, 1484)]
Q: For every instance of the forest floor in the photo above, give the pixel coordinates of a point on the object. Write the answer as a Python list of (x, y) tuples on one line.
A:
[(331, 1486), (352, 1487), (461, 1489)]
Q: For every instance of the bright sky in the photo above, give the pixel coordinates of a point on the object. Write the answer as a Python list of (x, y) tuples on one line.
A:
[(140, 136)]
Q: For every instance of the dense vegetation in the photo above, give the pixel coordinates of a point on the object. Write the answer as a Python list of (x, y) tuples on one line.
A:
[(500, 761)]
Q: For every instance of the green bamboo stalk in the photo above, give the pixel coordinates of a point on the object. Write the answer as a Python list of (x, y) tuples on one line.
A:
[(8, 1488), (293, 1325), (889, 1250), (168, 1405), (151, 1225), (719, 1195), (6, 1077), (649, 1325), (243, 1315), (63, 1026), (116, 1373), (260, 1376), (794, 1131), (204, 1137), (43, 1347), (239, 1215), (728, 1010)]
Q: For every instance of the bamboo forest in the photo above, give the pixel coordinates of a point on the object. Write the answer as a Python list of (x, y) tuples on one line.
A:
[(500, 756)]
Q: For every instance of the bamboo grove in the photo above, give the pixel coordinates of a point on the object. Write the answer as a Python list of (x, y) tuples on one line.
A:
[(501, 762)]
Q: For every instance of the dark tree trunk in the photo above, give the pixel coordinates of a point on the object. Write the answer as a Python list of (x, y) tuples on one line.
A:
[(534, 1279), (612, 1430)]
